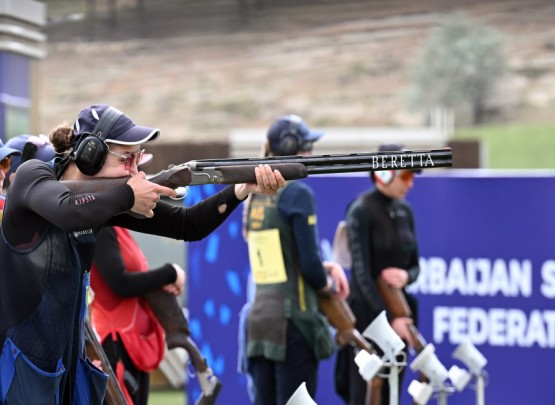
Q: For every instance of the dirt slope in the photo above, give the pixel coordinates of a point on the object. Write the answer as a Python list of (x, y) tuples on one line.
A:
[(199, 68)]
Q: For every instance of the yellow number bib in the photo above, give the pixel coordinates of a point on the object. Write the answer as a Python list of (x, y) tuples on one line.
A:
[(266, 257)]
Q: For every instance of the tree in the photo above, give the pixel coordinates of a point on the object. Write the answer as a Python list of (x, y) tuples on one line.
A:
[(458, 67)]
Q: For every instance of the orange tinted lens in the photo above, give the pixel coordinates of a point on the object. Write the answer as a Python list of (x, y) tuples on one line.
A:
[(139, 157), (6, 163), (406, 175), (133, 159)]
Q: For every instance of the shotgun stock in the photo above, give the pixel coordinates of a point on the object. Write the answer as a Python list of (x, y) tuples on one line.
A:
[(234, 171), (114, 394), (341, 317), (166, 308), (396, 303)]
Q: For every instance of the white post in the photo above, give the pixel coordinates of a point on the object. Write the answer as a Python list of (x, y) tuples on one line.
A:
[(394, 371), (480, 390), (442, 396)]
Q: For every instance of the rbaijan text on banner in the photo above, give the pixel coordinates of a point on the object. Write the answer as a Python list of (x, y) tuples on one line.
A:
[(505, 282)]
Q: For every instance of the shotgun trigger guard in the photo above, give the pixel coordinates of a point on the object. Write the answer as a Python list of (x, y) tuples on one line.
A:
[(208, 175)]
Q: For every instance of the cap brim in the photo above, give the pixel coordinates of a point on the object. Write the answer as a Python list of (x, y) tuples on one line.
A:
[(5, 152), (313, 136), (135, 136)]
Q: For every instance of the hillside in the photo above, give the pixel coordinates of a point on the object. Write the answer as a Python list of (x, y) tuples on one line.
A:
[(198, 68)]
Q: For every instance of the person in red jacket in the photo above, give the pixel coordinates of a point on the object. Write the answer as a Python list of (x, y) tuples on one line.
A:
[(130, 333)]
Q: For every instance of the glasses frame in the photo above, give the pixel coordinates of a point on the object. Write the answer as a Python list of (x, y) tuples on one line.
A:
[(128, 157)]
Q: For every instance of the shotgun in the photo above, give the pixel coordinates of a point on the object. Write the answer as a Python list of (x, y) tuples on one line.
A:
[(114, 394), (170, 315), (234, 171)]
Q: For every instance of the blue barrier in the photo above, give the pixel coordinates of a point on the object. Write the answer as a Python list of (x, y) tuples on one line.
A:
[(487, 247)]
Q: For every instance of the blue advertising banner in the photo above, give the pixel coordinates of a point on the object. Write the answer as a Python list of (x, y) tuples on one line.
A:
[(487, 249), (15, 94)]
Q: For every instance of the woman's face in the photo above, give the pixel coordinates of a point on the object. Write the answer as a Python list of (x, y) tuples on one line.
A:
[(121, 161)]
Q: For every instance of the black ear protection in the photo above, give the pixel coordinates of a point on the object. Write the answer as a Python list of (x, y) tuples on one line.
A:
[(290, 140), (92, 150), (29, 151), (384, 176)]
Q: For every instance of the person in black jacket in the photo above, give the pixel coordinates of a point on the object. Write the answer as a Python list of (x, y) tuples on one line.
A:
[(48, 246), (382, 242)]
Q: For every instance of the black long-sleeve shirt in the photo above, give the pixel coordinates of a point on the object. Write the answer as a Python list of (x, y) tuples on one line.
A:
[(40, 208), (110, 265), (381, 234), (39, 199)]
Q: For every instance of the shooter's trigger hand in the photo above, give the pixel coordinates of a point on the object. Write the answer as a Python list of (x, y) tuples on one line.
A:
[(147, 194)]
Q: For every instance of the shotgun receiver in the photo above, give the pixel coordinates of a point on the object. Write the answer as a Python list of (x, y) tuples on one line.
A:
[(114, 394), (234, 171), (166, 308)]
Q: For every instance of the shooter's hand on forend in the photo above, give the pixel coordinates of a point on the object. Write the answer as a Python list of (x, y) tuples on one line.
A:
[(268, 182)]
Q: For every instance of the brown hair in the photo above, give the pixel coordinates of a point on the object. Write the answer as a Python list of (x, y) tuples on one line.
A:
[(61, 137)]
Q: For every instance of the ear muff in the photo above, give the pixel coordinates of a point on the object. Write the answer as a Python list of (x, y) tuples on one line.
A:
[(29, 151), (384, 176), (92, 150), (290, 140)]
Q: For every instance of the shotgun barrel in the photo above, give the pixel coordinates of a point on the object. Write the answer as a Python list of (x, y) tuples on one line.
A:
[(333, 163), (295, 167)]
